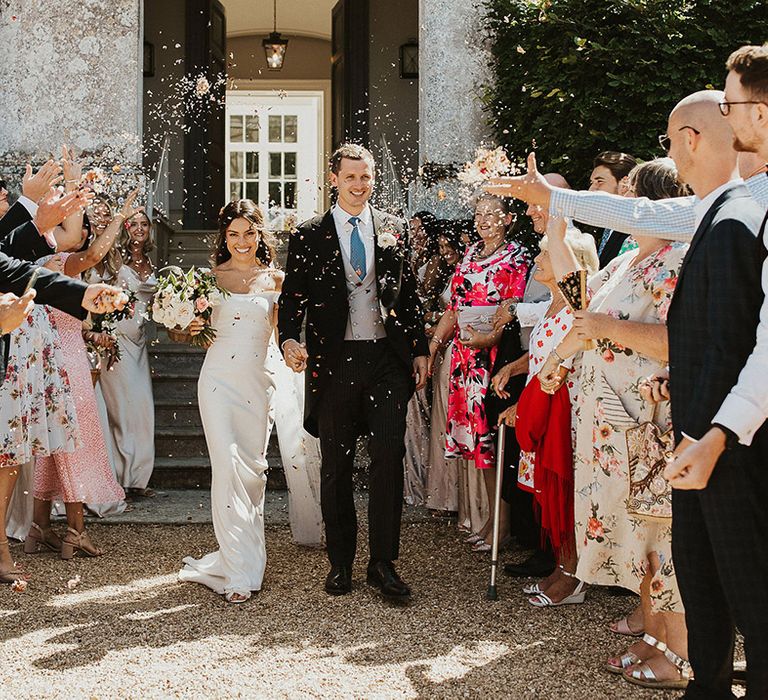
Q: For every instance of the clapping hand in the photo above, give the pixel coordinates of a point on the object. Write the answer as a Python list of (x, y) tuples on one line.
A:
[(103, 298), (35, 186), (13, 310), (654, 389), (128, 211), (531, 187), (295, 355), (73, 169), (53, 209)]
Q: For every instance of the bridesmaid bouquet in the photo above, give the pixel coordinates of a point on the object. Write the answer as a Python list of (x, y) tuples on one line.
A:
[(183, 296), (105, 325), (488, 163)]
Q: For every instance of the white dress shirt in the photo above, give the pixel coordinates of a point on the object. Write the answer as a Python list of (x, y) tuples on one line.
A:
[(344, 231), (745, 409), (702, 206)]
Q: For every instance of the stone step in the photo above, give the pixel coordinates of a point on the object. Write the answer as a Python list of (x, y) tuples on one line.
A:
[(176, 358), (180, 441), (170, 413), (179, 386), (195, 473)]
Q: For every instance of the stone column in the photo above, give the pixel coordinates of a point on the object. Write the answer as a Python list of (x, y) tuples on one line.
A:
[(454, 64), (72, 74)]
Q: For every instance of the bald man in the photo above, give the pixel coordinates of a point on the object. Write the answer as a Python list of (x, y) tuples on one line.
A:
[(720, 529)]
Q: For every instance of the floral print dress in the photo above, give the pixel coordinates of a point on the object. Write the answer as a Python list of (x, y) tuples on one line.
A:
[(37, 410), (478, 282), (614, 547)]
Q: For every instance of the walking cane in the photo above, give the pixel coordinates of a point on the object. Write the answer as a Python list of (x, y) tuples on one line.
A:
[(491, 594)]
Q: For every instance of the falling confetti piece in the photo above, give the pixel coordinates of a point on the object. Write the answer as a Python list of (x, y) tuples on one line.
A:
[(73, 583)]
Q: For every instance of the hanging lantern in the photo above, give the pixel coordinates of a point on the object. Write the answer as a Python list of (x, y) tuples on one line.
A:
[(274, 45)]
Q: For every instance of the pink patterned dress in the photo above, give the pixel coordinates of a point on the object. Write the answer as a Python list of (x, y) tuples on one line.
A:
[(85, 475), (478, 282)]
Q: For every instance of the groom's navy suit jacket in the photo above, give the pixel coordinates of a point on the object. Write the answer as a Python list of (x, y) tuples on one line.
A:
[(315, 287)]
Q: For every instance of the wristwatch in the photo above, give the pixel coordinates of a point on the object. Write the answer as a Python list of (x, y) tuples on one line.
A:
[(512, 309), (731, 438)]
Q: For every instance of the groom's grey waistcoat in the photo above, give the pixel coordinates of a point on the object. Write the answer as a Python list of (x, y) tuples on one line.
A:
[(364, 322)]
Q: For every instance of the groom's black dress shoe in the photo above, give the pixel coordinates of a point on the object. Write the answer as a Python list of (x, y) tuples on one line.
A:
[(382, 575), (339, 580), (538, 564)]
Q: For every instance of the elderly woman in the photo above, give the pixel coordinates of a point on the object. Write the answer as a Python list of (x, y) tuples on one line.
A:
[(552, 495), (493, 270), (626, 319)]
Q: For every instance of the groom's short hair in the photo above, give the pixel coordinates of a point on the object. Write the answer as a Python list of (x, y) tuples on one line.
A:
[(353, 151), (750, 63)]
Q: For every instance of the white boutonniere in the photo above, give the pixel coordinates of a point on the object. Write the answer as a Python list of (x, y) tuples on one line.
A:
[(388, 236)]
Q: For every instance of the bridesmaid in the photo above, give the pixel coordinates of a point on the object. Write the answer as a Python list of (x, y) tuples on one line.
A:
[(84, 475), (127, 386)]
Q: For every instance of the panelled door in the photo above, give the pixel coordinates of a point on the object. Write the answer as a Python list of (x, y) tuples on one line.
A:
[(272, 153)]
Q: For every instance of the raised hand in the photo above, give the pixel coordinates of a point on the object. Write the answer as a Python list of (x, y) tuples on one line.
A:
[(295, 355), (35, 186), (531, 187), (128, 210), (103, 298), (73, 169), (13, 310), (54, 209)]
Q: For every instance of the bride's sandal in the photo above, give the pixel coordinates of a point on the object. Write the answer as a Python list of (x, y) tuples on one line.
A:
[(78, 543), (235, 597), (13, 574), (620, 664), (644, 676), (39, 537)]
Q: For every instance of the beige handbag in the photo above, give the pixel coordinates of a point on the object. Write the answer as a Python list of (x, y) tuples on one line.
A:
[(650, 494)]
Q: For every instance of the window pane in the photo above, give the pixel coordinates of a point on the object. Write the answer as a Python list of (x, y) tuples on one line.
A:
[(234, 190), (252, 191), (275, 128), (290, 165), (235, 127), (275, 194), (252, 164), (291, 126), (290, 195), (252, 128), (275, 165), (236, 164)]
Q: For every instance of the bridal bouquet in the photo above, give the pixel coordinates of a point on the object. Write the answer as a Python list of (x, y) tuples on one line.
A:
[(488, 163), (183, 296), (105, 325)]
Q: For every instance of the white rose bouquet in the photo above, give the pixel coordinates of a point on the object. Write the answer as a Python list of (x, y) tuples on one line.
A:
[(488, 163), (183, 296)]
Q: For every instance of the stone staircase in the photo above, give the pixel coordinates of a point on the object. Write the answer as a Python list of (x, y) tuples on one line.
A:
[(181, 455)]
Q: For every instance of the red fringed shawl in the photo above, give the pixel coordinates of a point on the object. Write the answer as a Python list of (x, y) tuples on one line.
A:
[(543, 426)]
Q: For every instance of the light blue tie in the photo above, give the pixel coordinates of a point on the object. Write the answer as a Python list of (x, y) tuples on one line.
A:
[(356, 249)]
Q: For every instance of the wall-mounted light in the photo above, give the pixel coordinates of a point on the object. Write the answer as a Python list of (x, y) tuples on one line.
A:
[(274, 45), (409, 59)]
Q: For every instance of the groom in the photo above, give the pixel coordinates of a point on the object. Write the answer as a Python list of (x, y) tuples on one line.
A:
[(365, 353)]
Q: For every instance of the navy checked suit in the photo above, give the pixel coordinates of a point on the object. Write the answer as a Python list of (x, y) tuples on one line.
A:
[(720, 533)]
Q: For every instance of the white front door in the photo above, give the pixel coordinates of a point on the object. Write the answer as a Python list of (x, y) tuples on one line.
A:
[(273, 150)]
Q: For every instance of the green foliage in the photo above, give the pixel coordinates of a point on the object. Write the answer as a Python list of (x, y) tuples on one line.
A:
[(582, 76)]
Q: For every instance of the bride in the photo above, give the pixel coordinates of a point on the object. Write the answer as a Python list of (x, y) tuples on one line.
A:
[(238, 401)]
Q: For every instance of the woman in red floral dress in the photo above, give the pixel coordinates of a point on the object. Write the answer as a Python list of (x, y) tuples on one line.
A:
[(493, 270)]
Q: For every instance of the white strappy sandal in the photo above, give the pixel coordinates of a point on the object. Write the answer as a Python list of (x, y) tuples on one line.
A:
[(542, 600)]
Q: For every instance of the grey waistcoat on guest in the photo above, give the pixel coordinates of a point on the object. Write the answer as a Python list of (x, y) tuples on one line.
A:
[(364, 322)]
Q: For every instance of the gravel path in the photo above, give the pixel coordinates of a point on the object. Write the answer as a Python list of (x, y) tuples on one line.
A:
[(130, 630)]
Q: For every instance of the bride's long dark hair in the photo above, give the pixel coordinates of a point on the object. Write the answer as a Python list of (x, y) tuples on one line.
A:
[(243, 209)]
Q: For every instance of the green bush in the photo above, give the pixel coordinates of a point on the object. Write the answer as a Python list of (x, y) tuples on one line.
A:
[(583, 76)]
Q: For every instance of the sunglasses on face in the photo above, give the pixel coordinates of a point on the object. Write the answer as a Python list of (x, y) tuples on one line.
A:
[(725, 105), (665, 142)]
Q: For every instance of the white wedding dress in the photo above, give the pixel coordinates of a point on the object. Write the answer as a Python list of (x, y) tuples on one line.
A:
[(237, 397)]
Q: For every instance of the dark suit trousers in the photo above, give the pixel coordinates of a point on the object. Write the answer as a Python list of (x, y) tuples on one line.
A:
[(369, 390), (720, 549)]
